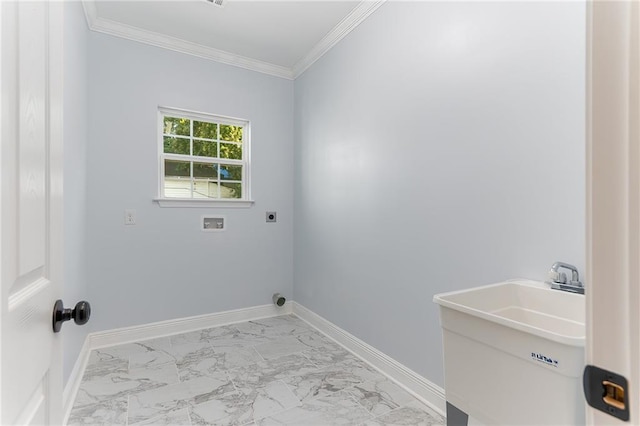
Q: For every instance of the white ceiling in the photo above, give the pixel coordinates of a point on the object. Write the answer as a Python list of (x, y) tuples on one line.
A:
[(280, 38)]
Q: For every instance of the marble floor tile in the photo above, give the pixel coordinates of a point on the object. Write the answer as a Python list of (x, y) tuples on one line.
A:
[(204, 336), (319, 343), (273, 371), (331, 379), (124, 382), (336, 409), (150, 359), (174, 418), (230, 357), (104, 368), (270, 399), (324, 352), (282, 346), (123, 352), (227, 409), (245, 406), (412, 414), (264, 372), (156, 402), (380, 397), (239, 338), (284, 325), (108, 412), (197, 359), (194, 360), (328, 357)]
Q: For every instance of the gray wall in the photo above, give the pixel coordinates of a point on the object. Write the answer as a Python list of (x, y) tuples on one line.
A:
[(165, 267), (76, 133), (439, 146)]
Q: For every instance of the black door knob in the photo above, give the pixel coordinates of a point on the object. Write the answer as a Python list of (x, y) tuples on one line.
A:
[(80, 314)]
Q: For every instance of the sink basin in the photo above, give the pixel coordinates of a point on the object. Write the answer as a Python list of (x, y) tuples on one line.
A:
[(529, 306), (514, 353)]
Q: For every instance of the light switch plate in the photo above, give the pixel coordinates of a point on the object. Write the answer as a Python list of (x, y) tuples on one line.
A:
[(129, 217)]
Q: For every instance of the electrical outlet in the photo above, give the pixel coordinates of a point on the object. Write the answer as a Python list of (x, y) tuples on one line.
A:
[(129, 217)]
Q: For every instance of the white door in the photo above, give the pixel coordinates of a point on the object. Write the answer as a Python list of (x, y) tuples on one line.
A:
[(613, 199), (31, 210)]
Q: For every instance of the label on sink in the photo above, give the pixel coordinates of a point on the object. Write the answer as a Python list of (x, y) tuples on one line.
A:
[(544, 359)]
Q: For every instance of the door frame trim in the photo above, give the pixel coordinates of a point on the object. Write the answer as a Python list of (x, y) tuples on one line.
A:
[(613, 195)]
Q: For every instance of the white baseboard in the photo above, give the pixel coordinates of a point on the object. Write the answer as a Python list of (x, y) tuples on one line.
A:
[(154, 330), (73, 383), (428, 392)]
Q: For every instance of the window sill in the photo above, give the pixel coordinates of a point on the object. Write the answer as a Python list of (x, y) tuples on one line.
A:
[(189, 202)]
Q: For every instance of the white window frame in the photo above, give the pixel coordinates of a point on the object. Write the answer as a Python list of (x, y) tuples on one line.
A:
[(245, 201)]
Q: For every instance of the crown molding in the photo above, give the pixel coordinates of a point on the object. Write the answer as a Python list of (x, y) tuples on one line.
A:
[(344, 27), (90, 11), (340, 31), (118, 29)]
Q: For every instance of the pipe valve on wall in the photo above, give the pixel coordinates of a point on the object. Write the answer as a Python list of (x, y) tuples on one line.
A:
[(278, 299)]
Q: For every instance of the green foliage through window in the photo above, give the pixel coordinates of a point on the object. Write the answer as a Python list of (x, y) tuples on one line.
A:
[(198, 153)]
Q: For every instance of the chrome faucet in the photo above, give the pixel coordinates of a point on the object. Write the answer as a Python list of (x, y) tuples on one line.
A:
[(558, 280)]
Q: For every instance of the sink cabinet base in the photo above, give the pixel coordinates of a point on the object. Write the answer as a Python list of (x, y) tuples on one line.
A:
[(498, 375), (455, 416)]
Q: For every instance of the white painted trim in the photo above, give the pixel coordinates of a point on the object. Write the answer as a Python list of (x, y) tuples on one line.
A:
[(423, 389), (340, 31), (203, 116), (245, 162), (154, 330), (73, 383), (90, 11), (118, 29), (613, 197), (188, 202)]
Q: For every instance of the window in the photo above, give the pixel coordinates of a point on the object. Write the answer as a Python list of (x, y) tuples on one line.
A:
[(203, 157)]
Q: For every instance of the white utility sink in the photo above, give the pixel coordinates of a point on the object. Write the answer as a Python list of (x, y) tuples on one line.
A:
[(529, 306), (514, 353)]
